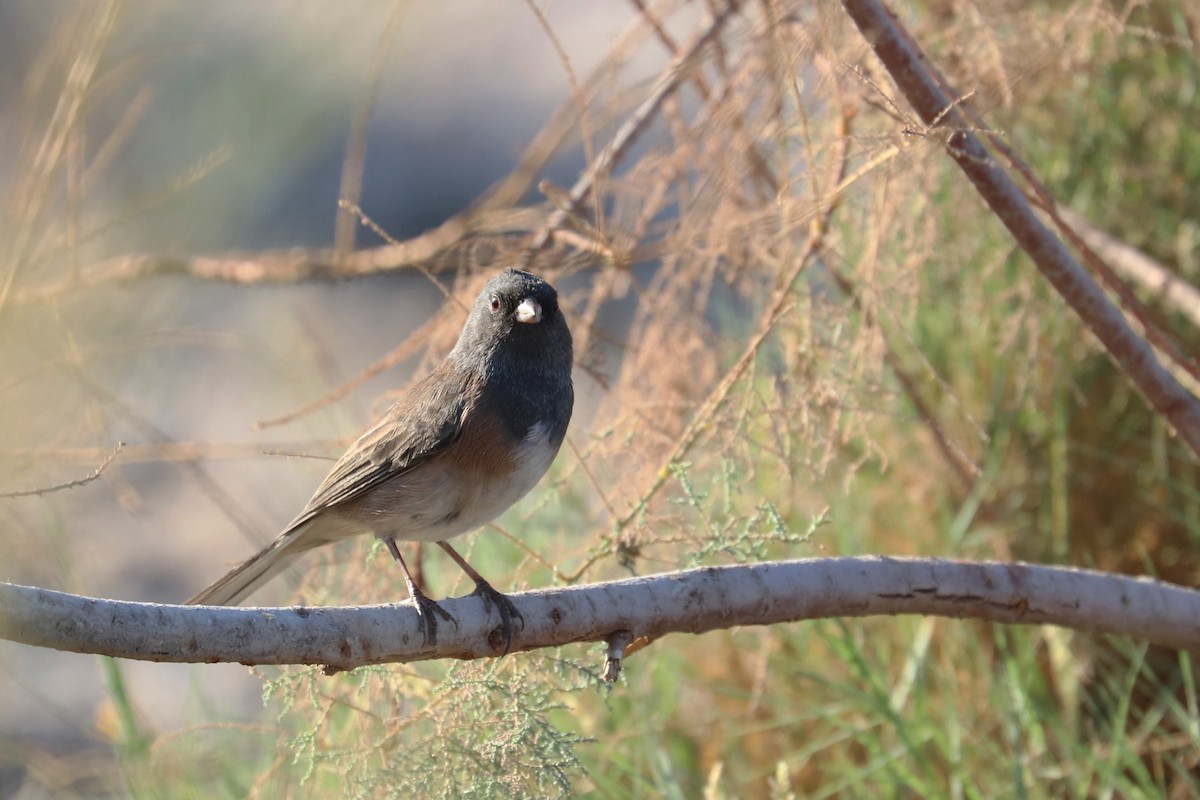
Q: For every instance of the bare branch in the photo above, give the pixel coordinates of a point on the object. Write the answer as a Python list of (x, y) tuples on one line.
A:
[(91, 476), (168, 452), (479, 238), (909, 68), (1161, 282), (475, 240), (695, 601)]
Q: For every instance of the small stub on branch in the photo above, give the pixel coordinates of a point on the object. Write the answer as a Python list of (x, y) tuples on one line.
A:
[(617, 642)]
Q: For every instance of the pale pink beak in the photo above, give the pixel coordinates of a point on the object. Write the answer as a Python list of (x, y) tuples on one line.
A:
[(530, 310)]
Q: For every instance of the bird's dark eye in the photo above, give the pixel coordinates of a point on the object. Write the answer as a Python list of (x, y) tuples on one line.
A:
[(495, 304)]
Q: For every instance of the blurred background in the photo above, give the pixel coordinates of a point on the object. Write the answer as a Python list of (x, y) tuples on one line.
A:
[(799, 334), (205, 130)]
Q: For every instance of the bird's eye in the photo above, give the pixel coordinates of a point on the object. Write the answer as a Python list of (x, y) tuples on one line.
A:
[(495, 304)]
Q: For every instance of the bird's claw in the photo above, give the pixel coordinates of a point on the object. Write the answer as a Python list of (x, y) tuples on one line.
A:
[(429, 611), (508, 611)]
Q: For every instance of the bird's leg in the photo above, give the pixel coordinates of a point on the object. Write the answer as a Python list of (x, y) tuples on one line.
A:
[(490, 597), (426, 608)]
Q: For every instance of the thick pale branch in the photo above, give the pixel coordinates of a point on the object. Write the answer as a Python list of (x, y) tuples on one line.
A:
[(917, 79), (694, 601)]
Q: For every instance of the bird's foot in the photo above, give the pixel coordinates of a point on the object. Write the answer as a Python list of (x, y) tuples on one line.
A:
[(429, 612), (508, 611)]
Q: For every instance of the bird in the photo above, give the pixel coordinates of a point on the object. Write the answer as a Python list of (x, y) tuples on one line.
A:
[(455, 451)]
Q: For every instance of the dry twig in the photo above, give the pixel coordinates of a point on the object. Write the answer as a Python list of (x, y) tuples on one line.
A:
[(91, 476)]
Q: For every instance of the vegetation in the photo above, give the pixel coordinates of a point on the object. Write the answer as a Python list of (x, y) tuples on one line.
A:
[(800, 333)]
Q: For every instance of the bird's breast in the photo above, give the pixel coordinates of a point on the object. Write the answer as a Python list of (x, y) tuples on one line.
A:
[(487, 483), (476, 480)]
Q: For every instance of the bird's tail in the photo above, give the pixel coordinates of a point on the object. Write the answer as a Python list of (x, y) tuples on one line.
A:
[(246, 578)]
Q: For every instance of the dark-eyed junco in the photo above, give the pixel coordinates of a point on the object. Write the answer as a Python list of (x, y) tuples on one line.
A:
[(454, 452)]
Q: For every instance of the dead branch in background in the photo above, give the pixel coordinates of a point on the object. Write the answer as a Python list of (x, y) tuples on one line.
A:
[(694, 601), (91, 476), (1099, 253), (475, 241), (493, 232), (175, 451), (909, 68), (1159, 281)]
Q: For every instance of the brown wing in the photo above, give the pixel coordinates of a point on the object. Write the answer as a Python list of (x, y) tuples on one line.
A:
[(424, 422)]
